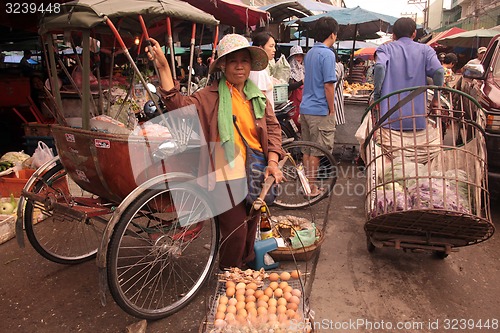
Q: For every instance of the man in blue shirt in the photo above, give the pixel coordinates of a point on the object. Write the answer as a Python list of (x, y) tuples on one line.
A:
[(317, 112), (401, 64)]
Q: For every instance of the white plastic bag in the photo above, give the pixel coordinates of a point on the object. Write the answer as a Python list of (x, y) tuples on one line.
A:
[(42, 154)]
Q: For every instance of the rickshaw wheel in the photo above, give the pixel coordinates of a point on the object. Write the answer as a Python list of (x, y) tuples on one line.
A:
[(162, 250), (291, 194), (60, 238)]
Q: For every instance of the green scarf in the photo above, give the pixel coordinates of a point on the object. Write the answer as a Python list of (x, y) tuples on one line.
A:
[(225, 115)]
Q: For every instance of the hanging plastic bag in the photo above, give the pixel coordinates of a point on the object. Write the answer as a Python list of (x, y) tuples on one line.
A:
[(42, 154), (280, 70)]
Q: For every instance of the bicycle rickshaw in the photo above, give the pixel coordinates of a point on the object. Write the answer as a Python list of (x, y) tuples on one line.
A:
[(129, 200), (427, 185)]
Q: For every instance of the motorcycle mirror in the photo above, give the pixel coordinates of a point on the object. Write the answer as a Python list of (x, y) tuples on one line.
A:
[(151, 88)]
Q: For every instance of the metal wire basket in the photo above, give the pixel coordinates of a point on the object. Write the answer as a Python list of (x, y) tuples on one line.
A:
[(426, 171)]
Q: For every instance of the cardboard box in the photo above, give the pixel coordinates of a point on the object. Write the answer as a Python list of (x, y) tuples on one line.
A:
[(12, 184)]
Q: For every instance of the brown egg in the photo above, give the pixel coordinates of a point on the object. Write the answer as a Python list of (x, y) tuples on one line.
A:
[(219, 315), (230, 284), (250, 305), (283, 284), (282, 301), (271, 310), (287, 288), (250, 299), (230, 317), (241, 285), (230, 291), (240, 291), (287, 295), (252, 312), (258, 293), (240, 298), (295, 274), (240, 305), (292, 306), (252, 285), (231, 309), (261, 311), (280, 309), (232, 301), (262, 304), (290, 313), (242, 312), (278, 292), (264, 298), (285, 276), (273, 285), (241, 319), (220, 323), (269, 292), (223, 299), (249, 292), (222, 308), (274, 277), (272, 302), (296, 292), (295, 299)]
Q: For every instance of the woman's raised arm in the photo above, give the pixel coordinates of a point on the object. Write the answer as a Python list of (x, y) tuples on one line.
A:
[(156, 54)]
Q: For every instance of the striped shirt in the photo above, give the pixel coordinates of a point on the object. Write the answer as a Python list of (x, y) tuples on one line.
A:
[(339, 96)]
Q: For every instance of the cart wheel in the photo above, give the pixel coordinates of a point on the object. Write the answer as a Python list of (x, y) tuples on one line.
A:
[(162, 250), (440, 254), (59, 237), (291, 195), (369, 245)]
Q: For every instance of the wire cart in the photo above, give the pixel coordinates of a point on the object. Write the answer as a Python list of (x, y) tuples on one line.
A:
[(426, 166)]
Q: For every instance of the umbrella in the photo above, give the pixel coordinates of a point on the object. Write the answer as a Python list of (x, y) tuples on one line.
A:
[(354, 22), (233, 13), (365, 53), (470, 39), (348, 44), (443, 34)]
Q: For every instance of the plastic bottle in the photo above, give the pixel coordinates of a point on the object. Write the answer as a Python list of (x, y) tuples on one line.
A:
[(265, 224)]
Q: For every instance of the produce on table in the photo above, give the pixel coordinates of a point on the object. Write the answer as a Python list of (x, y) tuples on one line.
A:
[(7, 207), (14, 157)]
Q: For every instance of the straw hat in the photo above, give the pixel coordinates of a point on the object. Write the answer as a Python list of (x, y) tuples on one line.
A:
[(296, 49), (234, 42)]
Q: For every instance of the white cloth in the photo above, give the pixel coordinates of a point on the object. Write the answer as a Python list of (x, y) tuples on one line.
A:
[(264, 81)]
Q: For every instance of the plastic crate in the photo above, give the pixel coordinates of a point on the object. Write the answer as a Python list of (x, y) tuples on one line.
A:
[(12, 184), (280, 93)]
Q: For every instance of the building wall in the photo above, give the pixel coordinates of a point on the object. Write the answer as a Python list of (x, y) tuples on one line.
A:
[(435, 11)]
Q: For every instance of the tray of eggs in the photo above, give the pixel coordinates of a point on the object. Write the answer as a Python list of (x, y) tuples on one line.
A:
[(275, 306)]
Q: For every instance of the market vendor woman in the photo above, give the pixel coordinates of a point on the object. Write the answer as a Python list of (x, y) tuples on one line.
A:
[(221, 166)]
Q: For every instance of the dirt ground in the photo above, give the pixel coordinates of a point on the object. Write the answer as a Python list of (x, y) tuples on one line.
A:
[(350, 290)]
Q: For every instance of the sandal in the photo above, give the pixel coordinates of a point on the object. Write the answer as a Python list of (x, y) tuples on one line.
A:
[(315, 191)]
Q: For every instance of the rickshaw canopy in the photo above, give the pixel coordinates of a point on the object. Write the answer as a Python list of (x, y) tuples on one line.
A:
[(88, 14)]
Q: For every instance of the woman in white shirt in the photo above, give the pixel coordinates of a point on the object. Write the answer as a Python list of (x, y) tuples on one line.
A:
[(263, 78)]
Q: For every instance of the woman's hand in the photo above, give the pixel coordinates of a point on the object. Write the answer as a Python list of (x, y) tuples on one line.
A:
[(155, 53), (273, 170)]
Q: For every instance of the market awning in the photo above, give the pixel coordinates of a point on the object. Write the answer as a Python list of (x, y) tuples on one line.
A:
[(283, 10), (440, 35), (355, 22), (470, 39), (232, 12), (87, 14)]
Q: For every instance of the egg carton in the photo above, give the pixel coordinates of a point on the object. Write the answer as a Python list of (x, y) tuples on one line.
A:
[(303, 309)]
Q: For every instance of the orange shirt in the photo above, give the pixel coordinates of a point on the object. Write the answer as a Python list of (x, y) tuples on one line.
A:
[(243, 111)]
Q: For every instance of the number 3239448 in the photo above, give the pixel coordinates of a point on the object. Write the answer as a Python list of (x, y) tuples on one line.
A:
[(32, 8), (471, 324)]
